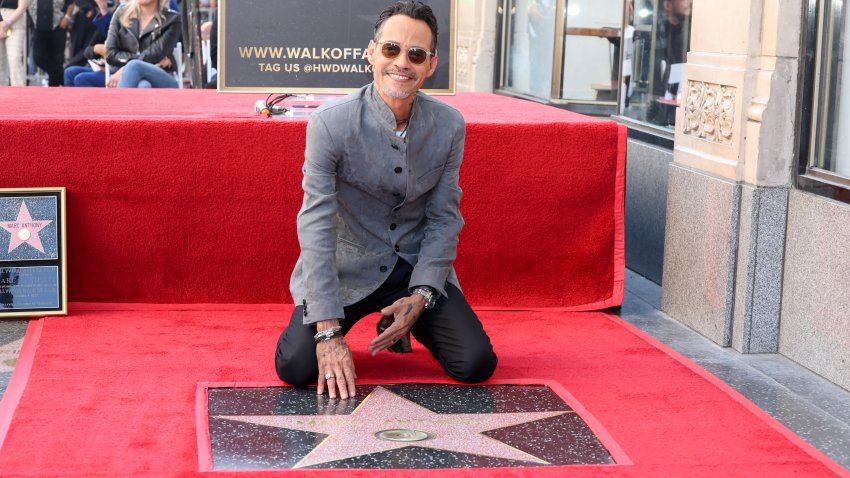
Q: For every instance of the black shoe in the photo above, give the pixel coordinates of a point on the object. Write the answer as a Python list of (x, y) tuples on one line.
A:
[(402, 345)]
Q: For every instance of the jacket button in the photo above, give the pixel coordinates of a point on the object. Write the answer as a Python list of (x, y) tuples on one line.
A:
[(397, 249), (383, 268), (393, 226), (396, 194), (398, 169)]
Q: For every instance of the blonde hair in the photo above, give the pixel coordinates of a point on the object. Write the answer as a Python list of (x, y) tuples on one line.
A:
[(132, 10)]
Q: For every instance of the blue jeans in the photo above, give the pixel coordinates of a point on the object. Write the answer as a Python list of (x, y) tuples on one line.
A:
[(84, 76), (141, 74)]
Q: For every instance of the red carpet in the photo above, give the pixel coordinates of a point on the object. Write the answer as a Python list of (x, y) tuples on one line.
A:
[(112, 393), (188, 197)]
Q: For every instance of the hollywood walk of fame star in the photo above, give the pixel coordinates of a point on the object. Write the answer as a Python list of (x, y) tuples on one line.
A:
[(25, 230), (354, 435)]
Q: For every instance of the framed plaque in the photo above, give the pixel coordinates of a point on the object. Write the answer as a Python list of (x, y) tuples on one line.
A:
[(314, 46), (32, 252)]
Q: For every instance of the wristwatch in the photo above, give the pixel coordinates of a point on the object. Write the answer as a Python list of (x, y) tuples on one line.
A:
[(428, 294)]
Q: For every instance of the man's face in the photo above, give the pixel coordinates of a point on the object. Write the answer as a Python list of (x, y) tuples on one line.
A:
[(398, 77)]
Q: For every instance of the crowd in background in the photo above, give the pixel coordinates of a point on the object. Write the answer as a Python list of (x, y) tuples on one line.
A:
[(95, 43)]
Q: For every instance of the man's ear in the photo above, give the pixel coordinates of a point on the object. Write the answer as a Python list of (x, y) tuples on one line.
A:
[(432, 67)]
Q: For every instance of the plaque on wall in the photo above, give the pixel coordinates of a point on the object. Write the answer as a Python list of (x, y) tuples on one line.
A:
[(314, 46), (32, 252)]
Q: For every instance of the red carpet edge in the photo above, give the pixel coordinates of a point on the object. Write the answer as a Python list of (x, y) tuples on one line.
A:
[(735, 395)]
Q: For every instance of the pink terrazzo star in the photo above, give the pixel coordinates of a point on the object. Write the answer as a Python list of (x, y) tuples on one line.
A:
[(24, 230), (354, 435)]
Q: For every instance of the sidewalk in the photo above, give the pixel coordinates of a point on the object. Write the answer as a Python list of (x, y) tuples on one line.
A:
[(809, 405)]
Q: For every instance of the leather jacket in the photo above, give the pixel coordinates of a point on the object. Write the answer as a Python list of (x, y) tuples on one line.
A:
[(152, 45)]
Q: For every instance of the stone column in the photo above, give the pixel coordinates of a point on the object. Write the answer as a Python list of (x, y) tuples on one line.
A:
[(733, 166)]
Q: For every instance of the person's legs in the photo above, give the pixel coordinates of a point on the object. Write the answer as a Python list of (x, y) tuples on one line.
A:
[(295, 357), (49, 46), (56, 56), (4, 68), (40, 45), (137, 71), (15, 51), (453, 334), (71, 74), (450, 331), (93, 79)]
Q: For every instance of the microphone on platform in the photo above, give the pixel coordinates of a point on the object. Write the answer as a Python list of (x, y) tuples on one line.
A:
[(261, 108), (264, 108)]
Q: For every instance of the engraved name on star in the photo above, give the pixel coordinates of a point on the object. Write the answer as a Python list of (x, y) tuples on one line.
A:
[(354, 435), (25, 230)]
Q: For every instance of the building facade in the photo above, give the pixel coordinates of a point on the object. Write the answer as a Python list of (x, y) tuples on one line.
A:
[(738, 176)]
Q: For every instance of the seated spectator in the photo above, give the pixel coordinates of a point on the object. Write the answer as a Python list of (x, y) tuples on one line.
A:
[(94, 73), (142, 35)]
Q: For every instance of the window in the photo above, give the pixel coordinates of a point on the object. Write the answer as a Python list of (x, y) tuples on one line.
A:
[(829, 151), (530, 46), (600, 57), (657, 37)]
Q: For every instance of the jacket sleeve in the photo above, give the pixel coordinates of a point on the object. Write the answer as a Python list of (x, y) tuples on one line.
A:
[(116, 54), (444, 222), (317, 226), (164, 43)]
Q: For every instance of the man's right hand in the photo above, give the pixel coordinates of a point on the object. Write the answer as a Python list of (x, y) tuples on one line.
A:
[(336, 366)]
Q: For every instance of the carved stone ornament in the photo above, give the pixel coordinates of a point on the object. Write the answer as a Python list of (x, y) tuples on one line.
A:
[(710, 111)]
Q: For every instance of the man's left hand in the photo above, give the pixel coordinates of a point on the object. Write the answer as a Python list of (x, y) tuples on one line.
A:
[(406, 312)]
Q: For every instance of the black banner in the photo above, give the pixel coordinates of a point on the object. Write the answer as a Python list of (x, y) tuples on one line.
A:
[(313, 46)]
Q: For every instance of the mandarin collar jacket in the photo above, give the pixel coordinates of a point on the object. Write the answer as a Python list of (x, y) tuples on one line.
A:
[(372, 197)]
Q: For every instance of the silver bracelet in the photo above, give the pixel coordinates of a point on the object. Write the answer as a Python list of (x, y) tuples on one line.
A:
[(328, 334)]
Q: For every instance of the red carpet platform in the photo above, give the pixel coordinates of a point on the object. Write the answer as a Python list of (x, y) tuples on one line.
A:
[(188, 197), (112, 393)]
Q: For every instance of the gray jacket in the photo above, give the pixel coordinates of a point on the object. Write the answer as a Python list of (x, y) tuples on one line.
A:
[(371, 197)]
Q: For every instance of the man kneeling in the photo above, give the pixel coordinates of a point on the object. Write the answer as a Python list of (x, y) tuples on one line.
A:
[(379, 225)]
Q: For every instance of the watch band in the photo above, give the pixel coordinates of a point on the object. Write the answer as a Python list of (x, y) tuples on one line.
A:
[(428, 294)]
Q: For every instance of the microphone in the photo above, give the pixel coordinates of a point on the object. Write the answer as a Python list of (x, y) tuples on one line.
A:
[(261, 108)]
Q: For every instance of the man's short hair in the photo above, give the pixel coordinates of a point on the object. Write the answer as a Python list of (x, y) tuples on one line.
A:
[(414, 10)]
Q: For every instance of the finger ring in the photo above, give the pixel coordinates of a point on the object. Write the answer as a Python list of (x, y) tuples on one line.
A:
[(329, 376)]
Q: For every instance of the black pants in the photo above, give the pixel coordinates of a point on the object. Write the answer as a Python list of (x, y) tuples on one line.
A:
[(49, 53), (450, 331)]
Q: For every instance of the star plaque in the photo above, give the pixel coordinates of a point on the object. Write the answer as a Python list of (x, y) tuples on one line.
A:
[(398, 426), (32, 252)]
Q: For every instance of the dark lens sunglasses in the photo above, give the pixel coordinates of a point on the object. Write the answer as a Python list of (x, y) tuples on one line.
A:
[(416, 55)]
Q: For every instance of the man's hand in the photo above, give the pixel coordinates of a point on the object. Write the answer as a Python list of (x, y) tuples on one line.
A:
[(206, 30), (165, 63), (406, 312), (99, 50), (4, 29), (336, 366), (114, 78)]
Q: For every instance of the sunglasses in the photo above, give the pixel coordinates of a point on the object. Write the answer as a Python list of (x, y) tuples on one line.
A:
[(416, 55)]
